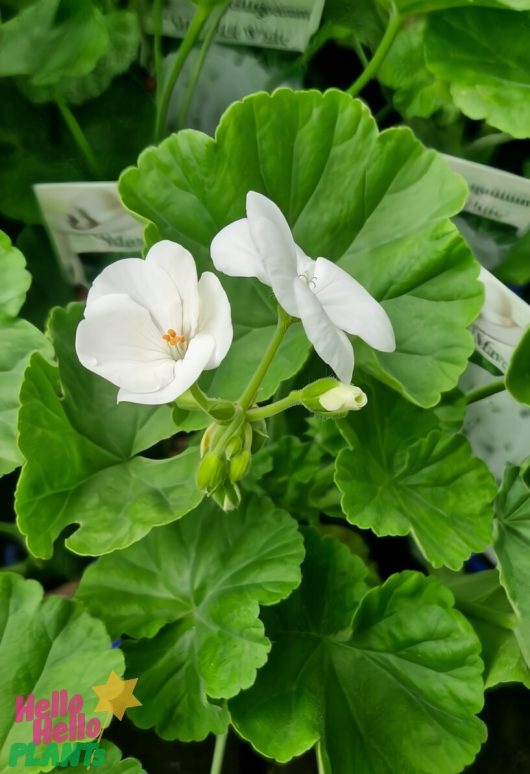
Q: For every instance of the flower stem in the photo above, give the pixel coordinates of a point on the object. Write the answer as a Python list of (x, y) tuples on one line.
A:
[(264, 412), (211, 28), (484, 392), (157, 41), (284, 321), (370, 71), (219, 753), (201, 398), (79, 138), (192, 33)]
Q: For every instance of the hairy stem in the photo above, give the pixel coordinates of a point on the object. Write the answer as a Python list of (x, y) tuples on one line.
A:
[(484, 392), (372, 68), (79, 138), (211, 28), (264, 412), (284, 321), (192, 33)]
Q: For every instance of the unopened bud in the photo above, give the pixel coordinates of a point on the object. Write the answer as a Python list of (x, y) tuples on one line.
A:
[(233, 446), (210, 472), (227, 496), (239, 465), (343, 397)]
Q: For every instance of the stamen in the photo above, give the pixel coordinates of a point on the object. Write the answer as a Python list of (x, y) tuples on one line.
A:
[(173, 339)]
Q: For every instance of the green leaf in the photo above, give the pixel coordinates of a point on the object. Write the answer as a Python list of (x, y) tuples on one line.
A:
[(113, 763), (201, 609), (15, 279), (518, 373), (46, 645), (417, 93), (484, 55), (80, 467), (512, 543), (296, 476), (376, 203), (379, 685), (515, 266), (404, 476), (49, 287), (124, 38), (410, 7), (481, 598), (51, 39), (18, 339)]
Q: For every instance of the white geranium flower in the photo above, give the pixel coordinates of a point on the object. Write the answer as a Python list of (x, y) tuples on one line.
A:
[(328, 301), (151, 328)]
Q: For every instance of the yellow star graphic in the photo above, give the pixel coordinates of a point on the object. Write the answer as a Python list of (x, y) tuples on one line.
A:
[(116, 695)]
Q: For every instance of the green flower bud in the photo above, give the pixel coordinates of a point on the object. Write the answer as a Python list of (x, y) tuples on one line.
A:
[(233, 446), (239, 465), (210, 472), (227, 496)]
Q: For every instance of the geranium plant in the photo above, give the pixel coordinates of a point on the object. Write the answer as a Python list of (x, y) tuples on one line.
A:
[(212, 443)]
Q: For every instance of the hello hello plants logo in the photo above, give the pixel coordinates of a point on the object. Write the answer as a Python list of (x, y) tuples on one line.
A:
[(75, 739)]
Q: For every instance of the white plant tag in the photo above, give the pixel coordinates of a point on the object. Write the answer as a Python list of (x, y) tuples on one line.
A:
[(495, 194), (502, 322), (283, 24), (498, 427), (87, 218)]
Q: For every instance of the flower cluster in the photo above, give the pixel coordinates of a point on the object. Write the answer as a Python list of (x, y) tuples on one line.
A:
[(151, 327)]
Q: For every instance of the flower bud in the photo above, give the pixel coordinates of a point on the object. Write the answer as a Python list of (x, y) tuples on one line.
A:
[(210, 472), (330, 396), (343, 397), (239, 465), (227, 496), (233, 446)]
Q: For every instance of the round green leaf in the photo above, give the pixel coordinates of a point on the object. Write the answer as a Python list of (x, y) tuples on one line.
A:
[(378, 204), (46, 645), (80, 457), (201, 609), (15, 279), (403, 475), (518, 373), (484, 54), (18, 339), (512, 541), (124, 38), (395, 689), (481, 598), (51, 39)]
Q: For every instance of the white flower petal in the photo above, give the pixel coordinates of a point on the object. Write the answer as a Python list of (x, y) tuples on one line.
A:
[(273, 239), (215, 317), (147, 285), (120, 342), (331, 344), (350, 307), (179, 266), (186, 372), (234, 253)]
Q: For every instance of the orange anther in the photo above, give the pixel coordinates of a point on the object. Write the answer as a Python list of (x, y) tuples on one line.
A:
[(172, 338)]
